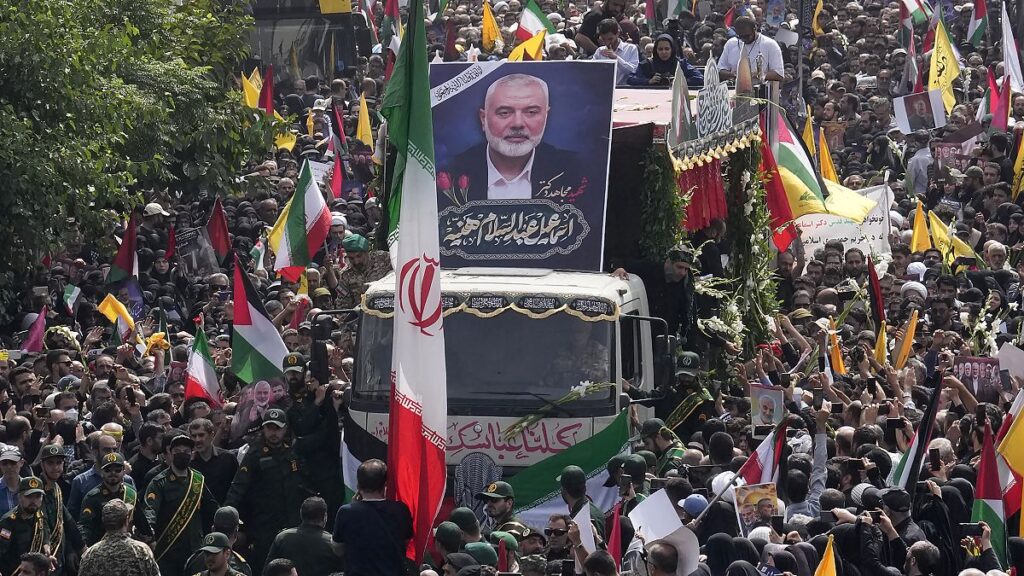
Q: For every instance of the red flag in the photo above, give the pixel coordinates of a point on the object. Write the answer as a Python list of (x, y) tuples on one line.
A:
[(47, 261), (1001, 111), (126, 263), (502, 556), (779, 208), (34, 341), (615, 534), (451, 53), (172, 243), (266, 101), (729, 16), (217, 231), (339, 146), (649, 15), (875, 294)]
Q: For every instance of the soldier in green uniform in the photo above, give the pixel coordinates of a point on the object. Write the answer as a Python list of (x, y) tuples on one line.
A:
[(308, 545), (634, 467), (113, 486), (178, 505), (226, 522), (573, 482), (664, 443), (217, 549), (66, 544), (499, 500), (24, 528), (268, 488), (364, 266)]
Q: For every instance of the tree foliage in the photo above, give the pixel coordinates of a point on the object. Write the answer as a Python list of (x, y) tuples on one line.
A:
[(103, 100)]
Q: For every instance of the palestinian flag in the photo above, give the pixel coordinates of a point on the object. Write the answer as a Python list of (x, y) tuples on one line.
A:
[(217, 231), (988, 497), (978, 28), (126, 262), (71, 295), (537, 493), (532, 21), (301, 228), (200, 377), (905, 473), (920, 10), (259, 253), (762, 466), (339, 146), (804, 189), (357, 446), (390, 36), (783, 229), (257, 351)]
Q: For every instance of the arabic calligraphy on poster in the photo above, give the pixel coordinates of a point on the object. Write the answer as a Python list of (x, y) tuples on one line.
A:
[(871, 236), (497, 230)]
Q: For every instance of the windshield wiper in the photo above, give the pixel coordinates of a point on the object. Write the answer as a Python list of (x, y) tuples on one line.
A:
[(552, 405)]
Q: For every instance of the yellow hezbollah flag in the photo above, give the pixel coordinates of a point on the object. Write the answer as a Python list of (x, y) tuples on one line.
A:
[(828, 169), (847, 203), (920, 241), (489, 32), (115, 311), (363, 133), (532, 49), (303, 285), (808, 134), (945, 68), (1018, 178), (904, 346), (940, 233), (881, 345), (1012, 446), (815, 25), (827, 565), (250, 90), (835, 354)]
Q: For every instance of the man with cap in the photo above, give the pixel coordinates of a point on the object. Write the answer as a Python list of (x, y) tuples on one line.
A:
[(100, 445), (499, 500), (467, 521), (118, 553), (665, 445), (573, 484), (896, 505), (178, 505), (634, 468), (268, 487), (225, 521), (447, 538), (364, 266), (113, 485), (217, 554), (24, 529), (11, 462), (308, 545), (65, 539)]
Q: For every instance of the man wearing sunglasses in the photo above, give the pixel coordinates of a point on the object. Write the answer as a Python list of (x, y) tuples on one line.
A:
[(558, 540)]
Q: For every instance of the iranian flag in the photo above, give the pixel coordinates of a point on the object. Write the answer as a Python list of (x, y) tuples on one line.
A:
[(200, 377), (390, 36), (532, 21), (762, 467), (418, 416), (978, 27), (919, 10), (906, 29), (905, 473), (988, 497), (537, 493), (302, 227), (257, 351)]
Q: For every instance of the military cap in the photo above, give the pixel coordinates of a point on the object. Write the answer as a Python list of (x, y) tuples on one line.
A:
[(51, 451), (294, 362), (215, 542), (112, 459), (275, 416), (497, 491), (31, 485), (356, 243)]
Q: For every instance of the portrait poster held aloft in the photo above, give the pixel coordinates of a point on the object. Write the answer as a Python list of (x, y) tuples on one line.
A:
[(755, 506), (522, 162), (767, 405), (920, 111)]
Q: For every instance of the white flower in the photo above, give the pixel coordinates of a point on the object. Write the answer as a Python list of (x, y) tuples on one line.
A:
[(582, 387), (1013, 305)]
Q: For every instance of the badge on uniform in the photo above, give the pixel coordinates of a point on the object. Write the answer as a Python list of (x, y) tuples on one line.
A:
[(5, 534)]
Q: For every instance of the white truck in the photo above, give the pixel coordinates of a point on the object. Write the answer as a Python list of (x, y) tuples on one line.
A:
[(516, 340)]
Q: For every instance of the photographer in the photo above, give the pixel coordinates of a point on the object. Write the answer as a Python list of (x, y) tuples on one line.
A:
[(660, 70)]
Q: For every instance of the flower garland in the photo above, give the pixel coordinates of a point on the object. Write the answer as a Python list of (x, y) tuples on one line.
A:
[(662, 206)]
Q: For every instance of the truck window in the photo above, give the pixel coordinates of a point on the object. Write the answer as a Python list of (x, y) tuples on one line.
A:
[(632, 350)]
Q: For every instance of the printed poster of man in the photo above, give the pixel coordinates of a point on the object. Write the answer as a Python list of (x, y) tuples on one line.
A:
[(921, 111), (767, 405), (522, 152), (755, 506), (981, 376)]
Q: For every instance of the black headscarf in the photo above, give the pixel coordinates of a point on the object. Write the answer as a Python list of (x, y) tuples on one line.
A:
[(1015, 553), (720, 552), (959, 513), (806, 550), (742, 568), (745, 550), (657, 66), (719, 519)]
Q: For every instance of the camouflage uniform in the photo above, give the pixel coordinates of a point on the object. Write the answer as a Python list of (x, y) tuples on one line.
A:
[(117, 554), (352, 281)]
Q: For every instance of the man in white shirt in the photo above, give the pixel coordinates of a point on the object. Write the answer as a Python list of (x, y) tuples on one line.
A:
[(626, 55), (764, 53)]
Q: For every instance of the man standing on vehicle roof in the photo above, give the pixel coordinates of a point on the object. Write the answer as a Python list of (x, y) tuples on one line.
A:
[(499, 500), (659, 439), (669, 288)]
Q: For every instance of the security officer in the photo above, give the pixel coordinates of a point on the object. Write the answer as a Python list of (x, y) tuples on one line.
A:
[(664, 443), (268, 488), (364, 266), (309, 546), (65, 540), (226, 522), (24, 528), (499, 500), (90, 522), (217, 549), (178, 505)]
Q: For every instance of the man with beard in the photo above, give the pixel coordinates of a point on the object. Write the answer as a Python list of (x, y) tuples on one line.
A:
[(65, 540), (113, 486), (179, 505), (764, 53), (23, 529), (513, 163)]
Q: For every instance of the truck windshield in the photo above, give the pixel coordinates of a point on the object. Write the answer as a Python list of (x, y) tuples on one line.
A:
[(510, 363)]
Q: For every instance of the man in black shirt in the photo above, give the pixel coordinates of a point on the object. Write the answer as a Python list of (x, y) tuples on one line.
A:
[(669, 290), (371, 532), (217, 465), (587, 35)]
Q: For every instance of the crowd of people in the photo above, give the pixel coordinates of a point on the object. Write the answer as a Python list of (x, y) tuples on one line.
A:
[(108, 469)]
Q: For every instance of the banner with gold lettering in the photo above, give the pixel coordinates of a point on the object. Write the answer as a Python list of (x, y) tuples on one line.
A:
[(522, 152)]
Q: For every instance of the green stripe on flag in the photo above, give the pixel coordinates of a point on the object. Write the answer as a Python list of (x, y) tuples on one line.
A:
[(790, 159), (248, 363), (988, 511), (295, 226)]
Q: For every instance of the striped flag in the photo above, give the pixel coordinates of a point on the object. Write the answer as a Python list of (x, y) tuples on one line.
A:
[(762, 467), (877, 312), (200, 376), (783, 229), (905, 473), (905, 34), (1009, 478), (1011, 55), (918, 10), (302, 227), (978, 28), (257, 351), (418, 414), (259, 253), (532, 21), (126, 262), (988, 496), (71, 294), (339, 146), (391, 36)]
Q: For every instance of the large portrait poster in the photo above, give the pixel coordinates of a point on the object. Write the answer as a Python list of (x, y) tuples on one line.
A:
[(522, 151)]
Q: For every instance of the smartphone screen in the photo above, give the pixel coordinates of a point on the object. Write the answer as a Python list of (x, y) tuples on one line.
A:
[(934, 460), (1004, 379), (777, 524), (828, 516), (837, 408), (970, 529), (624, 484)]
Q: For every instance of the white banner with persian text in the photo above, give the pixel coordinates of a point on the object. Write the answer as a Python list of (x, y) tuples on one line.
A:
[(872, 236)]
